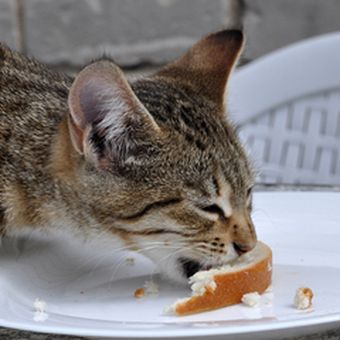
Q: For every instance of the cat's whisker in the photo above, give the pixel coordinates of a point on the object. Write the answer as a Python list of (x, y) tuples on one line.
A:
[(98, 258), (145, 249), (117, 266), (113, 251)]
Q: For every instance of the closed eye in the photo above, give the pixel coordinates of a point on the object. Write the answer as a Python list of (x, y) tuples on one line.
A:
[(214, 209), (152, 206)]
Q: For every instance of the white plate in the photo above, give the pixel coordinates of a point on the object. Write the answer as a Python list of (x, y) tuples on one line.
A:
[(92, 295)]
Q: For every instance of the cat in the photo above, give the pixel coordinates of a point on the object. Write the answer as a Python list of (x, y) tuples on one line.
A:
[(152, 165)]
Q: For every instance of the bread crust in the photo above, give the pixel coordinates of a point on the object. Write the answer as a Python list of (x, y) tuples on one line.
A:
[(230, 287)]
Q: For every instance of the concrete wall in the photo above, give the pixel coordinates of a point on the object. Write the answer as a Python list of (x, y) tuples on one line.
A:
[(68, 33), (8, 23)]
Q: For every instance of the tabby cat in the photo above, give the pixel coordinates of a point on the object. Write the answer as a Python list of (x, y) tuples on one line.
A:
[(152, 165)]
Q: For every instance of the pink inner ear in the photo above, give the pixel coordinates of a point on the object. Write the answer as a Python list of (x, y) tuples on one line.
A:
[(92, 97), (89, 92)]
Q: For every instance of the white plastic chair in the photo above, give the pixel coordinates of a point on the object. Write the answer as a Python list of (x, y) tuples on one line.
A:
[(287, 108)]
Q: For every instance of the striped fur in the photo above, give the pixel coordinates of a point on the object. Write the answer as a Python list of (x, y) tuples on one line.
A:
[(182, 187)]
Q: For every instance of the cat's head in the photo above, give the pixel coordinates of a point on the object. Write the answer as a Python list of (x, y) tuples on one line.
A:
[(168, 172)]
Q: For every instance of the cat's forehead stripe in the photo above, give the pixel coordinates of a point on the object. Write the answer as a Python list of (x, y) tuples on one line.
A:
[(224, 196), (216, 185)]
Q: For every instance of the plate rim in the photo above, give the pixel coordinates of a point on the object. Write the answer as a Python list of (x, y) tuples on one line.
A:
[(253, 328)]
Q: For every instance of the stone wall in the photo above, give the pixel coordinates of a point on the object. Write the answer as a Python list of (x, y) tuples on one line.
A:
[(139, 33)]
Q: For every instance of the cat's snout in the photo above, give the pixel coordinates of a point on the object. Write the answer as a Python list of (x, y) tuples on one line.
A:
[(243, 234)]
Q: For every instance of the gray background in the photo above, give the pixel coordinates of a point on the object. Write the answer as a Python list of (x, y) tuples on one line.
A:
[(142, 34)]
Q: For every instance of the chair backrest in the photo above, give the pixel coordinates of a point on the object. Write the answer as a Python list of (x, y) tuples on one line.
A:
[(287, 108)]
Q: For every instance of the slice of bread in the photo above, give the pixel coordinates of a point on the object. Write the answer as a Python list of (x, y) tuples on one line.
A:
[(216, 288)]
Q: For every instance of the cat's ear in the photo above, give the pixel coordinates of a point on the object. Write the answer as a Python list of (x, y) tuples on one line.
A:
[(208, 64), (106, 119)]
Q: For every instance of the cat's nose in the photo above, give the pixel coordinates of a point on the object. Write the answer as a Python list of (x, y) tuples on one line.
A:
[(243, 234), (243, 248), (244, 241)]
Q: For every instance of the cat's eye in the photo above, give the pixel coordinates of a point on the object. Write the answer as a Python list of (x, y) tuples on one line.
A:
[(214, 209)]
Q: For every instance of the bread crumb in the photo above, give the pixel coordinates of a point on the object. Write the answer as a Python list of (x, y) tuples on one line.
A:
[(150, 288), (303, 298), (40, 308), (203, 281), (251, 299), (40, 316), (130, 261), (139, 293), (39, 305)]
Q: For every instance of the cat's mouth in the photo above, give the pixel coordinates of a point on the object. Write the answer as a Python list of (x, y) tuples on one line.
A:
[(191, 267)]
